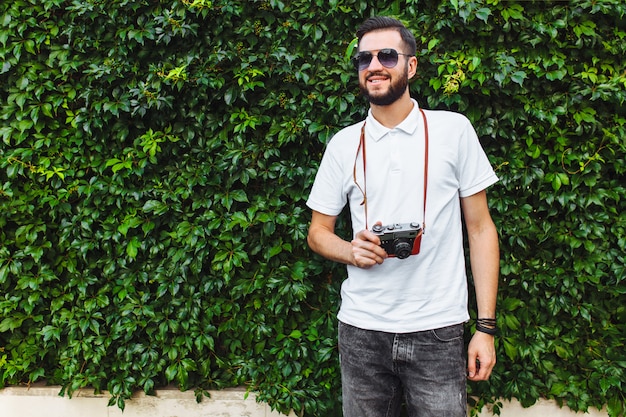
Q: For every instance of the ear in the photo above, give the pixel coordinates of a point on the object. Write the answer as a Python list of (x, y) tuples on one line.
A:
[(412, 67)]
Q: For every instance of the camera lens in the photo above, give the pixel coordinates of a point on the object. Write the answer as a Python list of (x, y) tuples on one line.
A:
[(402, 249)]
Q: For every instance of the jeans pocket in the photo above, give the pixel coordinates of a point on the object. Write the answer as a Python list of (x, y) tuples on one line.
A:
[(449, 333)]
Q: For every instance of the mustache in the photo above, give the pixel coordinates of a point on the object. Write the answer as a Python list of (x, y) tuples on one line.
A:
[(376, 74)]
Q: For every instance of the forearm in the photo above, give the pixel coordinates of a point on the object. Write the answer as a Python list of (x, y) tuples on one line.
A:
[(363, 251), (485, 265), (329, 245)]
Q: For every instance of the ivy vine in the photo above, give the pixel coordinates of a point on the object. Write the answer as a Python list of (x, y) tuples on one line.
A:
[(155, 158)]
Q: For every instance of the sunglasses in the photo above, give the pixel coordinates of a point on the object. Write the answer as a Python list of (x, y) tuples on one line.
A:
[(387, 57)]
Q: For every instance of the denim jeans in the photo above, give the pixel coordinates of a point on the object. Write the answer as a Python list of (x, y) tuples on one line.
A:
[(426, 370)]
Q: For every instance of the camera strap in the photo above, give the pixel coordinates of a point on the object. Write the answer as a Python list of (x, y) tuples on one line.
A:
[(363, 190)]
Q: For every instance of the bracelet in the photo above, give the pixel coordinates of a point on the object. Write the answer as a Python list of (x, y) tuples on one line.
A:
[(488, 326)]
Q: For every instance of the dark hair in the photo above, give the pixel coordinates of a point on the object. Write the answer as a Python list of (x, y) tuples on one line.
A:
[(382, 23)]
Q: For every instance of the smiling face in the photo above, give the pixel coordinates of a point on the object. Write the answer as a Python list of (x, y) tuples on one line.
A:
[(380, 85)]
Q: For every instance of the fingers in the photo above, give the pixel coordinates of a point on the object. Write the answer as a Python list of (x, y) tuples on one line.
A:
[(366, 250), (480, 370), (481, 357)]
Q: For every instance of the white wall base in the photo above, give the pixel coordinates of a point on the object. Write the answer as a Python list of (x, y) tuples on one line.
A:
[(543, 408), (43, 401)]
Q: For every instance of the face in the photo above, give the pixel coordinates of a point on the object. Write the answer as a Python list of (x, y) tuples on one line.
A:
[(380, 85)]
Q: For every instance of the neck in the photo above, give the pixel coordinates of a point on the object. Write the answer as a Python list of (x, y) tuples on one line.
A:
[(392, 115)]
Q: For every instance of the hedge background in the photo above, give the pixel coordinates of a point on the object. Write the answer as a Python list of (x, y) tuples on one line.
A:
[(156, 157)]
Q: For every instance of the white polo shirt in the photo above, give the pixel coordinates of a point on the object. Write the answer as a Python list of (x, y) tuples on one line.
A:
[(424, 291)]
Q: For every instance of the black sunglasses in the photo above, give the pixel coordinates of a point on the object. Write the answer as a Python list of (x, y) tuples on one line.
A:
[(387, 57)]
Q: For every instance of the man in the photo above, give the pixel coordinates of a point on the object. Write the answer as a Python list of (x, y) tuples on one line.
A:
[(401, 320)]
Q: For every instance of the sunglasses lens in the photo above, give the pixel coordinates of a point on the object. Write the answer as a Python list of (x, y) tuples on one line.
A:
[(388, 58), (362, 60)]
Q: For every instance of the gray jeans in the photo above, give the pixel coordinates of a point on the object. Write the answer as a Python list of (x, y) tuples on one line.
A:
[(425, 369)]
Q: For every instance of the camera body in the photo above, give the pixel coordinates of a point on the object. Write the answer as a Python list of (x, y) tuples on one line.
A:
[(400, 240)]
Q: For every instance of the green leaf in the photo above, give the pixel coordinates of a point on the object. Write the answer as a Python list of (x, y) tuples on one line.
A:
[(156, 207), (518, 77), (296, 334), (510, 349), (11, 323), (132, 247), (352, 46), (483, 14)]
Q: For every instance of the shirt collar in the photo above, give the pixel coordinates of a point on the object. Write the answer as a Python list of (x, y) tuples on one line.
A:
[(377, 131)]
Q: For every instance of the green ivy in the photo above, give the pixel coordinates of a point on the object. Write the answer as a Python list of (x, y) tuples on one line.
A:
[(156, 157)]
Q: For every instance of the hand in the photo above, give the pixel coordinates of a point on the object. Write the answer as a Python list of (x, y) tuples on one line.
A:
[(481, 349), (366, 250)]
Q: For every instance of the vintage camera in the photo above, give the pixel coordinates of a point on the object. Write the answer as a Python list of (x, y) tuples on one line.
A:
[(400, 240)]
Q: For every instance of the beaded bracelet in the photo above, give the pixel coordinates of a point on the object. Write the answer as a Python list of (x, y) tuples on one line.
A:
[(488, 326)]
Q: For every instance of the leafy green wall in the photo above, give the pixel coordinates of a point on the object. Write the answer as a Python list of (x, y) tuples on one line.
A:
[(156, 157)]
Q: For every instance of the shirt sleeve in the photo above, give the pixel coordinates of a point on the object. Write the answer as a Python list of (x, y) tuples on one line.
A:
[(327, 194), (475, 172)]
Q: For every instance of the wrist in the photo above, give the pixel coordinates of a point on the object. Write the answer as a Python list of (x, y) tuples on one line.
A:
[(487, 325)]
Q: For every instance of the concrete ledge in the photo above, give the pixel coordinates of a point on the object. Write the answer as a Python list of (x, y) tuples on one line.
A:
[(43, 401), (46, 402), (546, 408)]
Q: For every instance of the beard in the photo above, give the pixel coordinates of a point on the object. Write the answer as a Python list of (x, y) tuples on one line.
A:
[(393, 93)]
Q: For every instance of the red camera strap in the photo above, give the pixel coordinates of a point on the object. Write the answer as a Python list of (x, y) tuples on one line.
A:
[(364, 189)]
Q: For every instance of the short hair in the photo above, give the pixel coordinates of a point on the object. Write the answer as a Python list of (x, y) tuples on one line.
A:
[(382, 23)]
